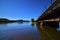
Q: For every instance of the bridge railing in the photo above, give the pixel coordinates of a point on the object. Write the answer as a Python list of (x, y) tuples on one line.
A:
[(58, 5)]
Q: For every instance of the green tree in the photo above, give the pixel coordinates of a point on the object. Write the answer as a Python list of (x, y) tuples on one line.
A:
[(32, 20)]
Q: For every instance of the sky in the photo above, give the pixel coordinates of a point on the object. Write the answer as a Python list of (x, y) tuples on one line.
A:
[(23, 9)]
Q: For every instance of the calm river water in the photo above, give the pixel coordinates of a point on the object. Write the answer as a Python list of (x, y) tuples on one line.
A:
[(28, 31)]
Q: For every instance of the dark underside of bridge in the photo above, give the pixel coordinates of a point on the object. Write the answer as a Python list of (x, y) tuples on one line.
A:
[(54, 14), (53, 24)]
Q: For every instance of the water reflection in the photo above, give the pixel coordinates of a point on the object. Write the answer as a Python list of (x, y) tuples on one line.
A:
[(28, 31), (15, 31), (3, 24), (58, 28), (48, 33), (33, 23), (20, 22)]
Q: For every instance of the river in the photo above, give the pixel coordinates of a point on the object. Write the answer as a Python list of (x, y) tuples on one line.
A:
[(28, 31)]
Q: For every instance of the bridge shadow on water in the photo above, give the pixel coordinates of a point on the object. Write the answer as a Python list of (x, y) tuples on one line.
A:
[(49, 32)]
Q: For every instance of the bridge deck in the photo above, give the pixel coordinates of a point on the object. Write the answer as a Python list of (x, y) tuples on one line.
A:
[(52, 12)]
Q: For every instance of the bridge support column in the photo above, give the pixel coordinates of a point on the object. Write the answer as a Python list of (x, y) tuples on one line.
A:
[(52, 24)]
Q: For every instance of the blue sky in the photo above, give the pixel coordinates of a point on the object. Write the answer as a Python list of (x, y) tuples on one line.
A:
[(23, 9)]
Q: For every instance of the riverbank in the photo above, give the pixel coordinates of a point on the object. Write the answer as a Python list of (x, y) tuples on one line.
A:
[(4, 20)]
